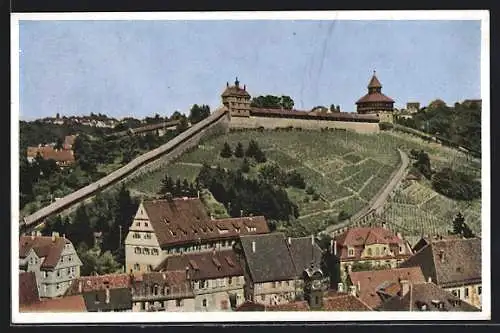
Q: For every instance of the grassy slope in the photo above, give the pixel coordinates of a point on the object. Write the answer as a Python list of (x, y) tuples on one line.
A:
[(346, 170)]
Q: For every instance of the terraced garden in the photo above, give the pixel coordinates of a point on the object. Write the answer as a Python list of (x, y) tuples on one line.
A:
[(346, 169)]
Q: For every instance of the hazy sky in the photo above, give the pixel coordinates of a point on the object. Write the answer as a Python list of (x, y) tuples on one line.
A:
[(138, 68)]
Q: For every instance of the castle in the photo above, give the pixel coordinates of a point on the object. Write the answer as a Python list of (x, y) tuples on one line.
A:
[(372, 109)]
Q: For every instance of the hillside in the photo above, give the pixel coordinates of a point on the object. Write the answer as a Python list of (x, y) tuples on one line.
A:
[(345, 169)]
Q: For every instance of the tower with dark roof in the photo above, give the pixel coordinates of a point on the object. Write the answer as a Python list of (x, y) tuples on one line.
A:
[(375, 102), (236, 99)]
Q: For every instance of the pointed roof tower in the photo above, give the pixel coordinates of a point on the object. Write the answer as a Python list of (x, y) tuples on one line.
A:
[(374, 82)]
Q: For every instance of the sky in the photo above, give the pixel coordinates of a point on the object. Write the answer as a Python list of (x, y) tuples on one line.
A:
[(139, 68)]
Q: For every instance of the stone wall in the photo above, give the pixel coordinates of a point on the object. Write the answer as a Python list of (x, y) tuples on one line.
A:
[(272, 123)]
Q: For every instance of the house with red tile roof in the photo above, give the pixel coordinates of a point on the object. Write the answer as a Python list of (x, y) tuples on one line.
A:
[(63, 157), (53, 260), (453, 264), (374, 287), (216, 277), (181, 225), (170, 291), (344, 302), (364, 247)]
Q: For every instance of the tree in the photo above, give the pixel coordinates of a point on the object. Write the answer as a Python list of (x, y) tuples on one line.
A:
[(167, 185), (198, 113), (182, 125), (272, 102), (239, 151), (423, 164), (245, 166), (226, 151), (252, 149), (456, 185), (286, 102), (458, 224), (79, 230), (332, 108), (337, 109)]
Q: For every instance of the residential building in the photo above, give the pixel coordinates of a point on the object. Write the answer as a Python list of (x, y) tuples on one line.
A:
[(84, 284), (53, 260), (269, 271), (28, 289), (376, 286), (374, 102), (344, 302), (162, 291), (63, 157), (108, 300), (236, 99), (167, 227), (454, 264), (425, 296), (364, 247), (216, 278)]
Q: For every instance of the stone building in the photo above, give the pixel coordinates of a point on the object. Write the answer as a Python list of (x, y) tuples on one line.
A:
[(53, 260), (236, 99), (375, 102), (167, 227), (216, 278), (454, 264), (369, 247)]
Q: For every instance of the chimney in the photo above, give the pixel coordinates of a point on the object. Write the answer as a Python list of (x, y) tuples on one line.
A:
[(80, 286), (187, 272), (384, 225), (405, 287), (245, 87), (340, 287), (253, 246), (312, 239), (107, 295), (399, 235), (335, 247), (429, 279), (289, 240)]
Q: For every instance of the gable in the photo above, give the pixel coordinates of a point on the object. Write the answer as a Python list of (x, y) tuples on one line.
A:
[(141, 221)]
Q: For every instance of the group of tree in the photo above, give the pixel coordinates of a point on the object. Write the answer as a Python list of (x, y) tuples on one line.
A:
[(198, 113), (253, 151), (460, 123), (456, 184), (334, 108), (110, 215), (178, 188), (272, 102), (250, 196), (273, 174), (461, 228), (422, 162)]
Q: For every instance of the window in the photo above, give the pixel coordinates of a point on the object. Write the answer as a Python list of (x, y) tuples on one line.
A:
[(155, 290), (136, 235), (230, 280), (204, 303), (369, 252), (150, 268), (456, 292), (167, 290), (262, 297), (147, 235), (350, 252), (202, 284), (137, 267), (154, 252), (57, 286), (137, 250), (45, 289), (145, 251), (58, 273), (178, 302), (401, 249), (138, 224), (479, 290), (70, 258), (146, 224), (466, 292), (68, 271)]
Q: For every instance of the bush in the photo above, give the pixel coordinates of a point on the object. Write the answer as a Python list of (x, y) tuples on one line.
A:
[(310, 190), (238, 151), (343, 216), (456, 185), (385, 126), (315, 197), (226, 151)]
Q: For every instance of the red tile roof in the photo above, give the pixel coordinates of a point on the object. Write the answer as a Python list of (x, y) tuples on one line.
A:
[(28, 290), (64, 304), (47, 152), (374, 82), (293, 306), (235, 91), (184, 221), (387, 281), (374, 97), (44, 247), (344, 302), (204, 265), (84, 284)]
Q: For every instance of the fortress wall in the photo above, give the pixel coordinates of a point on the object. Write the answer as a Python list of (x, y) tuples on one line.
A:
[(216, 122), (272, 123)]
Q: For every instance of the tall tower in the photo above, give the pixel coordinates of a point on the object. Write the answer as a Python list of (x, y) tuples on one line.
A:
[(236, 99), (375, 102)]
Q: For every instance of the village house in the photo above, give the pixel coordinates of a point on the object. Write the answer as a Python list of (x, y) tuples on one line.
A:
[(376, 286), (364, 247), (162, 291), (269, 271), (453, 264), (216, 278), (167, 227), (62, 157), (53, 260), (342, 301), (425, 296), (74, 303)]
